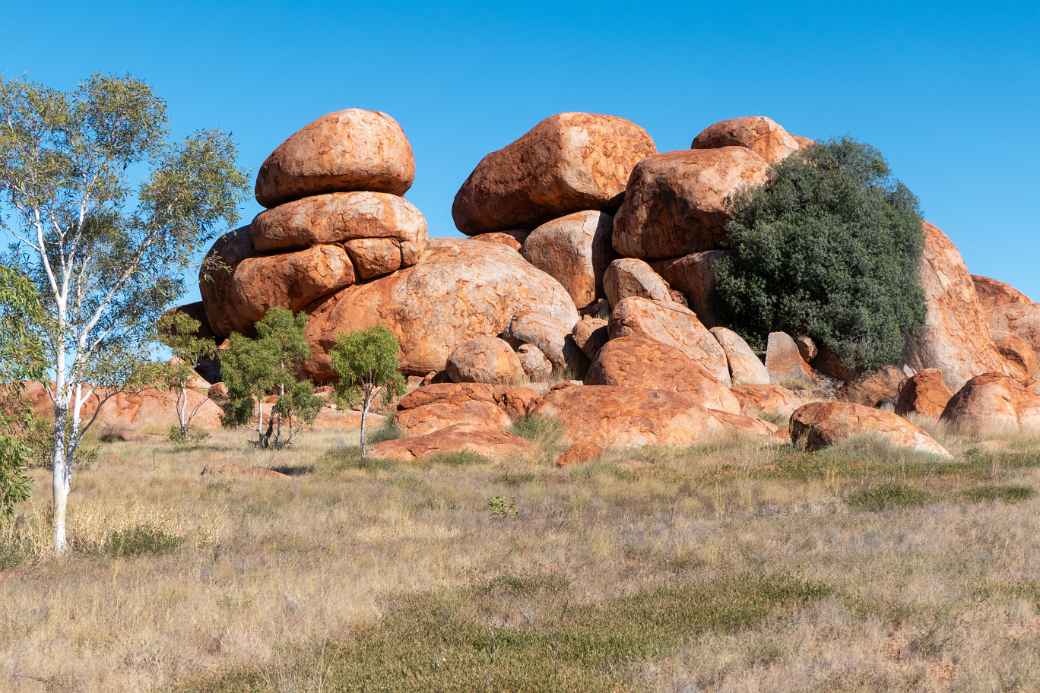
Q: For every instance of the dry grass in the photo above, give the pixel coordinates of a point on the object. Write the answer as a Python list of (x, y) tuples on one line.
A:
[(725, 567)]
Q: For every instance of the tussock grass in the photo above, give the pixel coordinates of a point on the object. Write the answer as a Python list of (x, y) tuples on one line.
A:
[(887, 497)]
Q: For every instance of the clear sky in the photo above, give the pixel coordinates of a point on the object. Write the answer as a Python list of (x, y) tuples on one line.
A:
[(950, 93)]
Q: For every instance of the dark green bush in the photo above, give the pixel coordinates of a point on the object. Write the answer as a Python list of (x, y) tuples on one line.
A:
[(887, 497), (141, 540), (830, 249)]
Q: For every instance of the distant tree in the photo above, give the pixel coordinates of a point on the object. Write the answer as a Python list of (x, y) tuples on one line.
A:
[(256, 368), (829, 248), (105, 253), (367, 366), (179, 332)]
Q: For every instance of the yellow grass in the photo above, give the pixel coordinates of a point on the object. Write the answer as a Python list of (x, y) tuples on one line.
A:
[(272, 572)]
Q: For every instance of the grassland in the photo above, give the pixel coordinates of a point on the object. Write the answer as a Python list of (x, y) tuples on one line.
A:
[(726, 567)]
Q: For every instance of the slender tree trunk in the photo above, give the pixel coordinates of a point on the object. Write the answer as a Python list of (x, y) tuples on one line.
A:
[(61, 476), (259, 421), (366, 399), (182, 410)]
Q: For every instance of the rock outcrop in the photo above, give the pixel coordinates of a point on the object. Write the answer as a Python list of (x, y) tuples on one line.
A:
[(567, 163), (760, 134), (633, 277), (694, 276), (745, 368), (924, 394), (994, 404), (492, 444), (477, 406), (819, 425), (574, 249)]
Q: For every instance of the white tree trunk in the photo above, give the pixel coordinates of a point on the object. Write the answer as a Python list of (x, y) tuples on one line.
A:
[(366, 400), (61, 476)]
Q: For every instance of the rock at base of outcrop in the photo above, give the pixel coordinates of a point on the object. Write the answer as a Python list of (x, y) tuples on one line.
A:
[(347, 150), (785, 363), (490, 443), (673, 325), (807, 347), (639, 362), (485, 360), (537, 367), (994, 404), (474, 405), (924, 394), (818, 425), (745, 368), (575, 249), (878, 388), (511, 238), (632, 277), (679, 202), (694, 276), (760, 134), (590, 334), (567, 163), (1019, 356), (772, 401)]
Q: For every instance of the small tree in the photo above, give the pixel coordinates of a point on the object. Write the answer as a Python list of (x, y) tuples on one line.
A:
[(829, 248), (179, 332), (367, 366), (255, 368), (104, 215)]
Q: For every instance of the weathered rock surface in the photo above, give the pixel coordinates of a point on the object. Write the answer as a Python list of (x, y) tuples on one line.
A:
[(513, 238), (956, 337), (678, 203), (469, 405), (574, 249), (216, 279), (352, 149), (785, 363), (674, 325), (924, 394), (489, 443), (807, 347), (590, 334), (694, 276), (877, 388), (993, 404), (1019, 356), (819, 425), (603, 416), (639, 362), (993, 293), (567, 163), (760, 134), (773, 401), (537, 366), (485, 360), (745, 368), (633, 277), (458, 291)]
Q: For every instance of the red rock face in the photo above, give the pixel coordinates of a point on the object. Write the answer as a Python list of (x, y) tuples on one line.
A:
[(924, 394), (493, 444), (643, 363), (760, 134), (1014, 322), (785, 363), (574, 249), (956, 337), (678, 203), (995, 294), (459, 290), (767, 400), (462, 405), (485, 360), (1019, 356), (590, 334), (216, 279), (511, 239), (994, 404), (673, 325), (694, 276), (632, 277), (353, 149), (875, 389), (567, 163), (745, 368), (821, 424)]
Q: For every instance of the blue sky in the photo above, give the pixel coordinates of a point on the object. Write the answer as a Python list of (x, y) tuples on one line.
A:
[(950, 93)]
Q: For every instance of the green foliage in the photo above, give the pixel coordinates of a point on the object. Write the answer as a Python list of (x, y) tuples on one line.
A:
[(180, 333), (1007, 494), (887, 497), (830, 249), (546, 433), (14, 484), (502, 507), (367, 359), (388, 431), (140, 540)]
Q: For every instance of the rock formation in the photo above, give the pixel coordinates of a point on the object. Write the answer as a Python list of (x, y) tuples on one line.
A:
[(821, 424), (760, 134), (924, 394), (574, 249), (994, 404)]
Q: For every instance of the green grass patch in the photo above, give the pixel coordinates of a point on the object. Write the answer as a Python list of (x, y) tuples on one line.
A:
[(140, 540), (456, 641), (457, 459), (887, 497), (996, 493), (348, 457), (388, 431)]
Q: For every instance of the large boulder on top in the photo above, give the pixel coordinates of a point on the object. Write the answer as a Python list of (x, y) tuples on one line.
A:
[(574, 249), (955, 337), (485, 360), (631, 276), (216, 279), (490, 443), (602, 416), (567, 163), (760, 134), (352, 149), (924, 394), (994, 404), (643, 363), (819, 425), (459, 290), (671, 324), (745, 368), (694, 276), (679, 202)]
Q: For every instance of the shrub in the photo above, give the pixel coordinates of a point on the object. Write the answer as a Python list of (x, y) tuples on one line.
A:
[(992, 494), (887, 497), (140, 540), (828, 248)]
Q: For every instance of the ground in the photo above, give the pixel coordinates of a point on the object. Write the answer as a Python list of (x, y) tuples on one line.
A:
[(727, 567)]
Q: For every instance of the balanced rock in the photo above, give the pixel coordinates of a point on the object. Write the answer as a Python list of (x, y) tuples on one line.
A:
[(458, 291), (673, 325), (639, 362), (955, 337), (352, 149), (994, 404), (633, 277), (679, 202), (745, 368), (567, 163), (485, 360), (694, 276), (513, 238), (760, 134), (574, 249), (216, 279), (785, 363), (924, 394), (473, 405), (774, 401), (819, 425), (490, 443)]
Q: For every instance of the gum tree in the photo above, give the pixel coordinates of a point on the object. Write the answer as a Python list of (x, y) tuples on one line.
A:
[(104, 213), (180, 333), (367, 365)]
